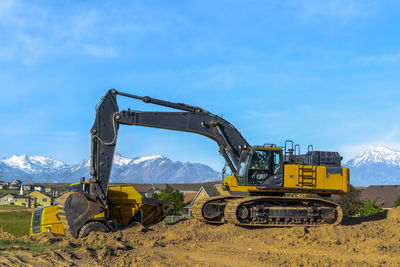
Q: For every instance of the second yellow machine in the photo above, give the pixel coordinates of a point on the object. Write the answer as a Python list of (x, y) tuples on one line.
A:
[(126, 208)]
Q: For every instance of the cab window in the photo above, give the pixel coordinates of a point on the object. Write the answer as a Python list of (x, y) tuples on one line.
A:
[(259, 169), (260, 160), (276, 163), (242, 168)]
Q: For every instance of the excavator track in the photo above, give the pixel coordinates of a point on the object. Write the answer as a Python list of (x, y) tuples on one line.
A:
[(282, 211), (211, 210)]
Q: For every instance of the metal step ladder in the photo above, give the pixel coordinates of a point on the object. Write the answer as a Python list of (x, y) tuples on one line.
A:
[(307, 176)]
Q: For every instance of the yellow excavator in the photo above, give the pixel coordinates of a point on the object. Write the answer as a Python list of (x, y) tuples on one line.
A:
[(261, 176)]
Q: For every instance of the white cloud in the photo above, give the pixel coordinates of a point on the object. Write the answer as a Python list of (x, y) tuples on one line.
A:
[(100, 51)]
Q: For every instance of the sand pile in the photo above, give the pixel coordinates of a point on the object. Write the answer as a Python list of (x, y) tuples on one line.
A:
[(367, 241), (5, 235)]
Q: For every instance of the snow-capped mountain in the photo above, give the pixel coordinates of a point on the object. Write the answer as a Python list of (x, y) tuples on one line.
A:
[(378, 165), (150, 169), (376, 154)]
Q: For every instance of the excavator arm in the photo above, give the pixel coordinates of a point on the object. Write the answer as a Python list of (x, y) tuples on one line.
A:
[(75, 209), (193, 119)]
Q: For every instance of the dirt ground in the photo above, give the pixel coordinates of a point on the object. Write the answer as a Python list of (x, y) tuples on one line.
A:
[(363, 242)]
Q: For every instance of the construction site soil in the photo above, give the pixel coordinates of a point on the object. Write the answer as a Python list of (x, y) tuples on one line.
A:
[(357, 241)]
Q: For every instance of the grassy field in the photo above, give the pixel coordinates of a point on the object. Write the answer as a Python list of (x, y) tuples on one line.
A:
[(12, 207), (6, 244), (16, 223), (7, 191)]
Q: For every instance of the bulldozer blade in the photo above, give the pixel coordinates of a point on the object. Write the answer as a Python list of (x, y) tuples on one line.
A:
[(154, 211), (74, 210)]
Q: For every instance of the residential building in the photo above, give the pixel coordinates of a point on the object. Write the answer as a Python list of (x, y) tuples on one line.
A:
[(7, 199), (4, 185), (39, 199), (385, 195), (49, 191), (28, 187), (24, 201), (17, 200), (205, 191), (15, 185)]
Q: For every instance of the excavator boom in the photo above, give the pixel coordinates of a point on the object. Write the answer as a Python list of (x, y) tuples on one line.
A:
[(194, 120)]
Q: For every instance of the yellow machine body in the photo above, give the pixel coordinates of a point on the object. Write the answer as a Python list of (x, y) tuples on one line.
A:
[(324, 184), (299, 178), (125, 203)]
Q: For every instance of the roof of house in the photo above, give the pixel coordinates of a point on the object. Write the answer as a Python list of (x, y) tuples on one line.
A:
[(29, 193), (181, 187), (360, 187), (193, 187), (211, 191), (188, 197), (386, 194), (7, 195), (56, 185), (19, 196)]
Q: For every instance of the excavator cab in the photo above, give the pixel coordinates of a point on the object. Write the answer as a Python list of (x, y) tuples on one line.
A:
[(261, 166)]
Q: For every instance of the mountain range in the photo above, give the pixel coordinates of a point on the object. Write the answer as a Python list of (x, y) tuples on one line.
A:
[(378, 165), (151, 169)]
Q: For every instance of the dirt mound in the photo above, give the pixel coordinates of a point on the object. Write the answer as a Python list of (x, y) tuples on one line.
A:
[(365, 241), (45, 238), (5, 235)]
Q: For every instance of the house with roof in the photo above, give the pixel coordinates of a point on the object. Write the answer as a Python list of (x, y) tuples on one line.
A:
[(28, 187), (50, 191), (23, 201), (39, 199), (205, 191), (4, 185), (188, 190), (7, 199), (15, 185), (385, 194), (17, 200)]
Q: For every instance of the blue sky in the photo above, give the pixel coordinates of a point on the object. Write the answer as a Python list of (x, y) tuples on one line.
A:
[(325, 73)]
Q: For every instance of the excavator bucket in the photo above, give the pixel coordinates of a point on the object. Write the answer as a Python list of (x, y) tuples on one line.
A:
[(154, 211), (74, 210)]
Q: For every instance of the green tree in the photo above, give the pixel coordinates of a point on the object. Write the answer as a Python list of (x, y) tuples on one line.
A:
[(396, 202), (173, 196), (369, 208), (350, 203)]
